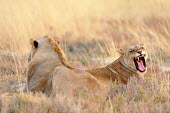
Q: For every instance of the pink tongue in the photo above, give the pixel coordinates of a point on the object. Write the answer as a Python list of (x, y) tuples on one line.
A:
[(141, 66)]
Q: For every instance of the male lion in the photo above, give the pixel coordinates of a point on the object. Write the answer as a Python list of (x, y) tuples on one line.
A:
[(49, 71)]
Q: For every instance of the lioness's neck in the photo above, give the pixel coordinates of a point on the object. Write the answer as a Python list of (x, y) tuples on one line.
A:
[(114, 71)]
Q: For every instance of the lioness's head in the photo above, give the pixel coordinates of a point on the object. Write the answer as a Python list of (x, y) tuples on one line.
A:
[(135, 57), (43, 47), (48, 48)]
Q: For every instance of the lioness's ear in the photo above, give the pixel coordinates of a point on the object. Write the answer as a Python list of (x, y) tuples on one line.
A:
[(34, 43), (120, 51)]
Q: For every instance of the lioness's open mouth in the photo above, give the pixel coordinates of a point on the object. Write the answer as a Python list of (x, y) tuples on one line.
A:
[(140, 63)]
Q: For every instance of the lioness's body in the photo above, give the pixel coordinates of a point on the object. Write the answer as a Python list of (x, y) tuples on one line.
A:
[(65, 79), (114, 71), (49, 71), (42, 66)]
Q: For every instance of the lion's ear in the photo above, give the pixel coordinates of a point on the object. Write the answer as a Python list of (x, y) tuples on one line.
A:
[(34, 43), (121, 51)]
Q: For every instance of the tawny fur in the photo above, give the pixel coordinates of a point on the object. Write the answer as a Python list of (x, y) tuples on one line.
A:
[(59, 51), (42, 62), (114, 71), (49, 70)]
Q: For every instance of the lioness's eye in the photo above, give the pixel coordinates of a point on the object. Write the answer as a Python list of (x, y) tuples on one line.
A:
[(131, 51)]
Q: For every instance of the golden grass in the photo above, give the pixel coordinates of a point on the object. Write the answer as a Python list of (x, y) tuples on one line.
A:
[(22, 20), (90, 32)]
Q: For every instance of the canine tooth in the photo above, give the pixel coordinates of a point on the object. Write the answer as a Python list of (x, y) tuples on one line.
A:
[(138, 58)]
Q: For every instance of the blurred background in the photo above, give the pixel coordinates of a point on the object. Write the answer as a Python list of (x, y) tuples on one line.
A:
[(87, 28)]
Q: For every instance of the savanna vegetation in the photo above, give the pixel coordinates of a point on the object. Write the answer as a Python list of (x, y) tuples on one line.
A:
[(90, 33)]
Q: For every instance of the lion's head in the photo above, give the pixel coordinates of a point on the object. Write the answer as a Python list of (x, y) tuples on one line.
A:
[(135, 57)]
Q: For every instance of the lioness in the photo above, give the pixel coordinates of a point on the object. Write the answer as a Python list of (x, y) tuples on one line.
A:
[(50, 71), (45, 56)]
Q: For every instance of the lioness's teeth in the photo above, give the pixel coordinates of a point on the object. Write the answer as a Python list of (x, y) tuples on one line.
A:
[(138, 58)]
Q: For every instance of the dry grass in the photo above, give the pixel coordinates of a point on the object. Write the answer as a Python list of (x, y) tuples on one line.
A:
[(90, 32)]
